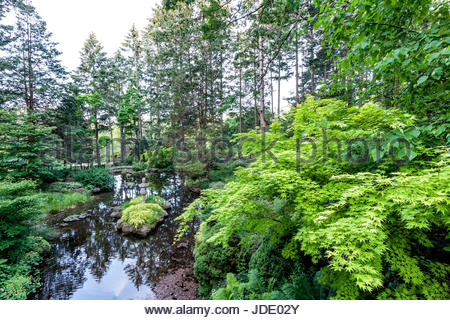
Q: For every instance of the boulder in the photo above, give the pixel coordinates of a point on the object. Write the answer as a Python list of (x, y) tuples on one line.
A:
[(73, 218), (96, 191), (167, 205), (116, 213), (127, 228), (140, 231)]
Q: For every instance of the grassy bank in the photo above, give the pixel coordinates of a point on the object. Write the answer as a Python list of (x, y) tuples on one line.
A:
[(55, 202)]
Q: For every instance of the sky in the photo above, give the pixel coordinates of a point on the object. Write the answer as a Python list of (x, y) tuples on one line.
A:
[(71, 21)]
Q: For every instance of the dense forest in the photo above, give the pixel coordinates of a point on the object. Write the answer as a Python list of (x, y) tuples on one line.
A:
[(339, 191)]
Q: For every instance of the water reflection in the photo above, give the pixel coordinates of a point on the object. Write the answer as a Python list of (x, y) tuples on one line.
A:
[(91, 260)]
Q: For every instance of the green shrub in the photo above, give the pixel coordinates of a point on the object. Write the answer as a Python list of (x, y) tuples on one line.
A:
[(139, 166), (155, 199), (268, 262), (20, 209), (161, 158), (52, 175), (142, 213), (374, 230), (16, 288), (213, 262), (20, 250), (95, 178)]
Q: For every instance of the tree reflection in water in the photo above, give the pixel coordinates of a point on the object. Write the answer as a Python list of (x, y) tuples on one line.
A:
[(91, 260)]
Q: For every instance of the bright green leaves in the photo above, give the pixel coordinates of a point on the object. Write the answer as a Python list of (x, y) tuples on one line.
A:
[(369, 234), (404, 45), (370, 218), (131, 106)]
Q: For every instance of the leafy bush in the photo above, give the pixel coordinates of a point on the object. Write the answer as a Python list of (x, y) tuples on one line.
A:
[(161, 158), (17, 288), (371, 230), (95, 178), (52, 175), (20, 209), (142, 213), (254, 289), (139, 166), (268, 262), (213, 262)]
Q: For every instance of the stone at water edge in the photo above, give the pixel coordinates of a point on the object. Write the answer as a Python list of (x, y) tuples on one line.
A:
[(116, 212), (96, 191), (141, 231), (73, 218)]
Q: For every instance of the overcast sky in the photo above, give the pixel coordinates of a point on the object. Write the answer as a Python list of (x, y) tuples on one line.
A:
[(71, 21)]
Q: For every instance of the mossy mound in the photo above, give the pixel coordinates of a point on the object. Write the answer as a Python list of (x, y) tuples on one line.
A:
[(138, 200), (141, 218), (142, 213)]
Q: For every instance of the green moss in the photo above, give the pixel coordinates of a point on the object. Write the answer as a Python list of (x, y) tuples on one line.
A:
[(142, 213), (155, 199), (150, 199)]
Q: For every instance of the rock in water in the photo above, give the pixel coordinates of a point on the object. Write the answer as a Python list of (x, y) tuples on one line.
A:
[(96, 191), (72, 218), (116, 213), (140, 231)]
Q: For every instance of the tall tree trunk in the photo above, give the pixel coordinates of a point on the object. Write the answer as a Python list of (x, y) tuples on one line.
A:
[(395, 91), (240, 104), (271, 93), (138, 146), (97, 149), (262, 119), (296, 69), (279, 84), (255, 95), (112, 143), (122, 144), (69, 144), (108, 153), (30, 73), (303, 79)]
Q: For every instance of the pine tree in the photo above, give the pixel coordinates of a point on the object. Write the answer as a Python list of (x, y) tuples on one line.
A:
[(33, 75)]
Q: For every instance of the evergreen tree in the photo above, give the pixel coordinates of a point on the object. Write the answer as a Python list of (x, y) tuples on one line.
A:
[(34, 73)]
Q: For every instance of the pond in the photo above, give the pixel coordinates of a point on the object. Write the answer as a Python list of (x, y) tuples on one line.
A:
[(89, 259)]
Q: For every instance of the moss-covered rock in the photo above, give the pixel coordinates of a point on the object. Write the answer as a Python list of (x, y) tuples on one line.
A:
[(150, 199), (142, 213), (141, 218)]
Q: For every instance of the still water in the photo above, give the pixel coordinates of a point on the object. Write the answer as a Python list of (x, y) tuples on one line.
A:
[(89, 259)]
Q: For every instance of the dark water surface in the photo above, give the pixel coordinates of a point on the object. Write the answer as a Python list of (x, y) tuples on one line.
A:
[(91, 260)]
